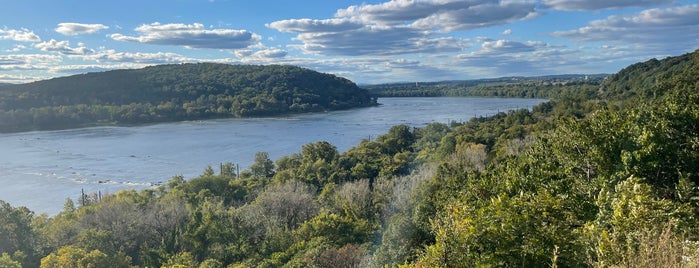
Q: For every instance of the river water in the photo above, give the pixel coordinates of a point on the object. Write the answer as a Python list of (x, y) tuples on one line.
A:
[(40, 170)]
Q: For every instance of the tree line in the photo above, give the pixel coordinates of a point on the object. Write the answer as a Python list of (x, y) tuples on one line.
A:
[(546, 87), (608, 180)]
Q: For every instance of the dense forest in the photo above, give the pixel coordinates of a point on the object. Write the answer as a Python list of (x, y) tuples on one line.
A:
[(173, 93), (602, 180), (546, 87)]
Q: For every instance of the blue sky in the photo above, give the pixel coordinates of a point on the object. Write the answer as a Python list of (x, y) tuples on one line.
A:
[(366, 41)]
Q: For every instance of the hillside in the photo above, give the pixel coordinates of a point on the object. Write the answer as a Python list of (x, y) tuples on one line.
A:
[(644, 79), (172, 93)]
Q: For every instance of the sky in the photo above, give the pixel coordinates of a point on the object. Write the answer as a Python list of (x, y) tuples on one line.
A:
[(368, 42)]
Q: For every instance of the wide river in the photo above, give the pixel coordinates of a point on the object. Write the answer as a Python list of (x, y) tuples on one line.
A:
[(41, 169)]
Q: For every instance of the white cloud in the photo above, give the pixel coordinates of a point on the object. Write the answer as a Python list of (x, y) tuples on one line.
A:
[(402, 26), (444, 15), (63, 47), (270, 53), (601, 4), (16, 79), (71, 28), (468, 16), (507, 46), (242, 53), (313, 26), (107, 56), (379, 69), (17, 48), (86, 68), (507, 32), (28, 61), (673, 30), (23, 35), (265, 56), (377, 41), (512, 58), (191, 36)]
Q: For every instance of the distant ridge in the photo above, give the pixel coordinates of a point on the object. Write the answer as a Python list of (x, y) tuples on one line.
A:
[(172, 93), (546, 86), (499, 79)]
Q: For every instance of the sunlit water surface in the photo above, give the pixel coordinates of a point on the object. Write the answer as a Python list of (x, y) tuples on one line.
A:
[(40, 170)]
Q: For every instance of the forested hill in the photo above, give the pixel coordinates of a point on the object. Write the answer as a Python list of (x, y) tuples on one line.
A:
[(172, 93), (644, 79)]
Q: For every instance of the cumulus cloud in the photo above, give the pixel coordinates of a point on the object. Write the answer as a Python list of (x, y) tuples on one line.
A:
[(265, 56), (506, 32), (111, 59), (402, 63), (508, 57), (402, 26), (138, 57), (377, 41), (508, 46), (63, 47), (270, 53), (313, 26), (16, 79), (674, 27), (447, 14), (596, 5), (242, 53), (22, 35), (17, 48), (338, 36), (468, 15), (191, 36), (28, 61), (377, 69), (71, 28), (87, 68)]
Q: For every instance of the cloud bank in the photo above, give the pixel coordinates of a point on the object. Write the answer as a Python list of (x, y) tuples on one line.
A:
[(191, 36), (63, 47), (676, 26), (600, 4), (23, 35), (402, 26)]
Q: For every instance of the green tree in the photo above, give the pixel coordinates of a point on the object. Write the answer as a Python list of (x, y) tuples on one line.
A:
[(262, 166), (7, 261), (181, 260), (336, 229), (71, 256), (627, 215), (319, 164), (211, 263), (16, 233)]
